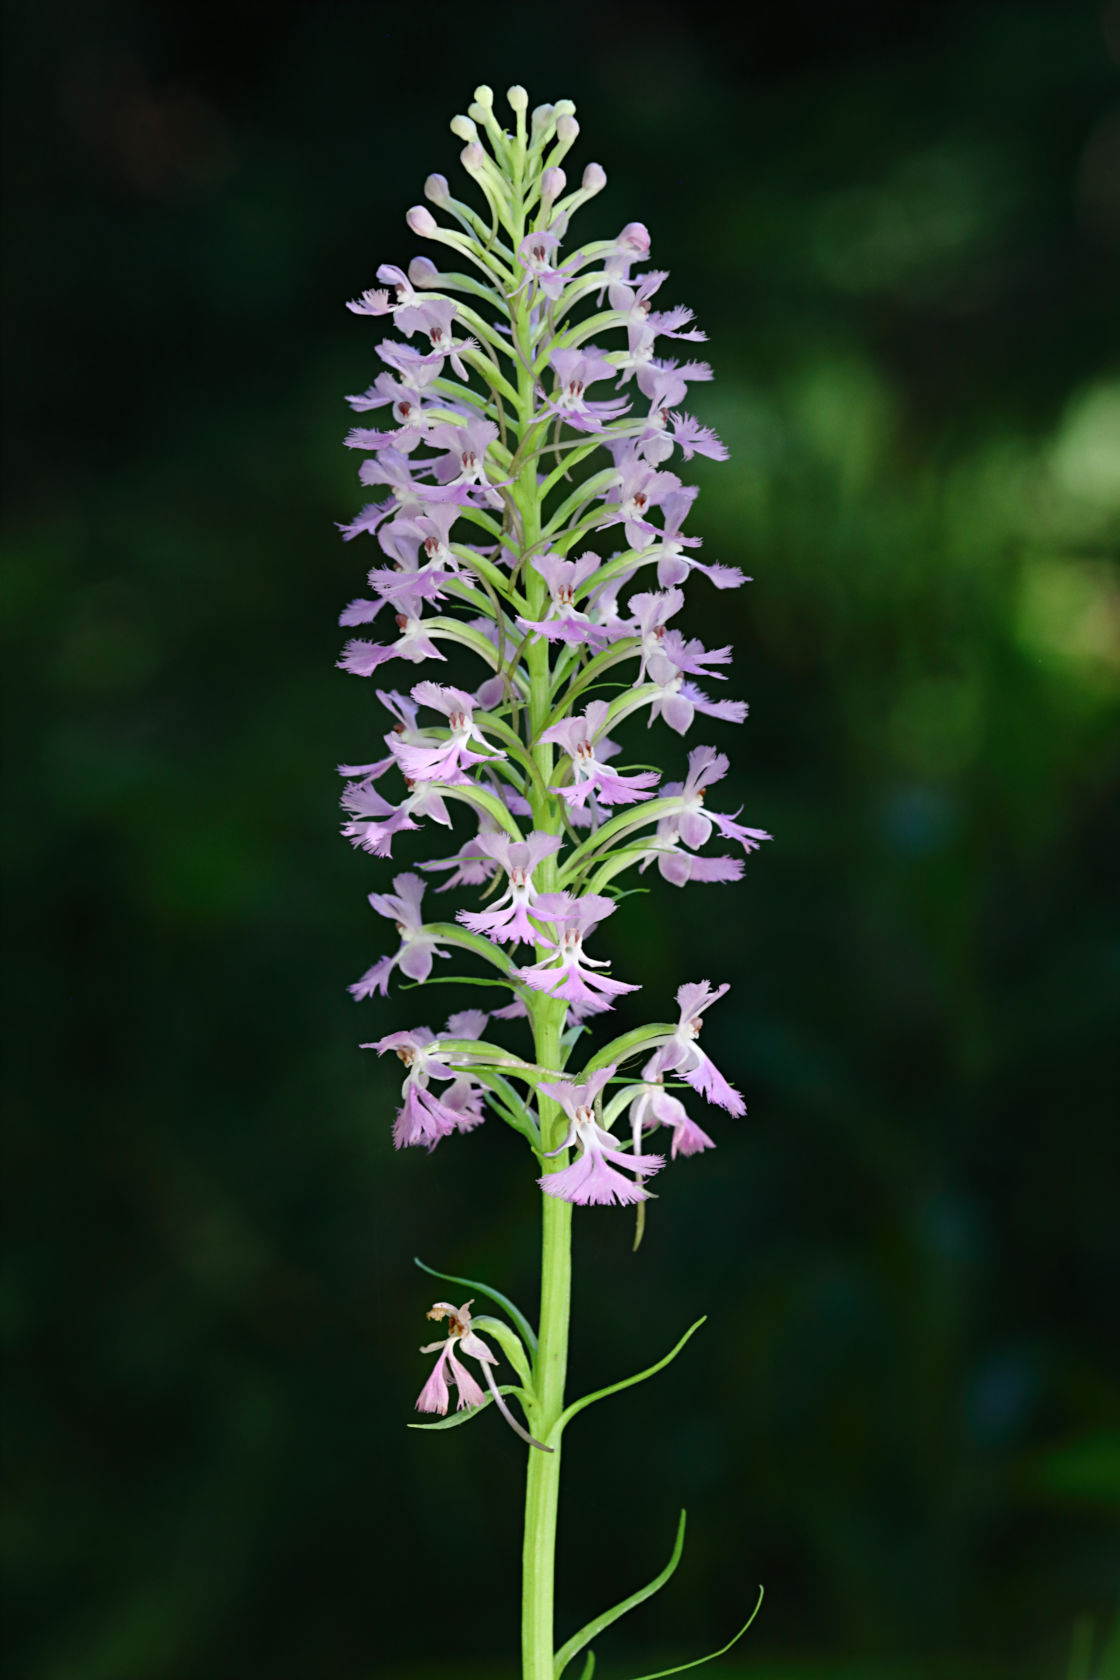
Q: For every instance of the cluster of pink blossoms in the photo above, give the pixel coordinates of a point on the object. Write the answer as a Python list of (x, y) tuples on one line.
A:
[(529, 531)]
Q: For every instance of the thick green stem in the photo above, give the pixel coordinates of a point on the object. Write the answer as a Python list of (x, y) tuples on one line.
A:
[(542, 1490)]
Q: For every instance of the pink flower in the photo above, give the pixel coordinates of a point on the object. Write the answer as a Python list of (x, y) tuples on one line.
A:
[(378, 302), (385, 821), (589, 774), (471, 866), (362, 658), (639, 489), (681, 1054), (508, 920), (535, 254), (653, 1106), (447, 760), (462, 1337), (429, 531), (464, 464), (575, 370), (677, 701), (564, 621), (591, 1178), (672, 563), (434, 1394), (693, 822), (417, 946), (651, 611), (574, 976), (424, 1118)]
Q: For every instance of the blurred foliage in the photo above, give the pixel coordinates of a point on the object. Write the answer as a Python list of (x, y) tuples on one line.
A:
[(900, 226)]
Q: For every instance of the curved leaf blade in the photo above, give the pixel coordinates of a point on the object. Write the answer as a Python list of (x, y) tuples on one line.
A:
[(522, 1323), (627, 1382), (698, 1662), (588, 1667), (588, 1632)]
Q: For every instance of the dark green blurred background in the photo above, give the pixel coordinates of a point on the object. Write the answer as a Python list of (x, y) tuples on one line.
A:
[(901, 226)]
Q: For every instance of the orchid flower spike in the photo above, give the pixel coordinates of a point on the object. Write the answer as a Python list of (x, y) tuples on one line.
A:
[(523, 452)]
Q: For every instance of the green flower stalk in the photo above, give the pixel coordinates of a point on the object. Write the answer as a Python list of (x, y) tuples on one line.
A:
[(520, 505)]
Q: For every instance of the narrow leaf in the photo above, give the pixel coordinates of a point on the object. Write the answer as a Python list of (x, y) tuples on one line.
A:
[(587, 1633), (468, 1412), (588, 1667), (698, 1662), (522, 1323), (627, 1382)]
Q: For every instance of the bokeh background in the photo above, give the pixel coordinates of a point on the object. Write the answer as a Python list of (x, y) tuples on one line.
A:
[(901, 227)]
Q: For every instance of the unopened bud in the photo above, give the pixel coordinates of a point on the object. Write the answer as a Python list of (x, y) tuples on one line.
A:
[(423, 272), (484, 95), (566, 129), (463, 128), (436, 189), (542, 116), (635, 237), (594, 178), (422, 222), (553, 182), (564, 107), (518, 98), (472, 158)]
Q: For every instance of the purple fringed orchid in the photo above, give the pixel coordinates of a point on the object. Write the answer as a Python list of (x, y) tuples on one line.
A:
[(574, 976), (509, 921), (525, 433), (681, 1054), (418, 943), (577, 736), (424, 1118), (655, 1106), (463, 1338), (575, 371), (564, 622), (597, 1176), (448, 761)]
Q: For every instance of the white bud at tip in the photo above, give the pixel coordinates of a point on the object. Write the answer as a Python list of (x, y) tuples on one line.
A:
[(594, 178), (422, 271), (463, 128), (484, 95), (518, 98), (472, 158), (566, 128), (553, 182), (436, 189), (422, 222), (564, 107), (542, 116)]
